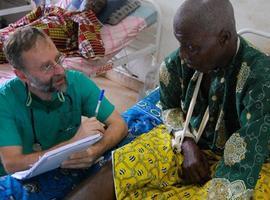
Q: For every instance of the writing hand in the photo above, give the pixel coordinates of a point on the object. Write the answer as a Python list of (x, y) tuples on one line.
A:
[(88, 127), (195, 167), (82, 159)]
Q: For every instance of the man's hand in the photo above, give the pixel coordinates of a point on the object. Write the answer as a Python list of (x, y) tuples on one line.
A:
[(82, 159), (195, 167), (88, 127), (85, 158), (115, 131)]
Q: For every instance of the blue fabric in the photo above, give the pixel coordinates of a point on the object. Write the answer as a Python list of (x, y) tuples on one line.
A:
[(142, 117), (75, 5), (111, 7), (37, 2), (56, 184)]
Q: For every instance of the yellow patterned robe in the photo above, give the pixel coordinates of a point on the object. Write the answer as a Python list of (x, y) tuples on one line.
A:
[(236, 135)]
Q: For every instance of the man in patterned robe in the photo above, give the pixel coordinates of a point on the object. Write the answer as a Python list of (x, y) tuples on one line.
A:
[(230, 159)]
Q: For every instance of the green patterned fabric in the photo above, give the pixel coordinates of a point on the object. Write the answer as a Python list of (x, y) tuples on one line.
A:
[(239, 111)]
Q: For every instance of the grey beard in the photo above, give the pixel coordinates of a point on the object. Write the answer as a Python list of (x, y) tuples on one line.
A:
[(35, 83)]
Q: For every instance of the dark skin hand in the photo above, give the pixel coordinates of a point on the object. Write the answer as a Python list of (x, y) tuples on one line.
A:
[(195, 167)]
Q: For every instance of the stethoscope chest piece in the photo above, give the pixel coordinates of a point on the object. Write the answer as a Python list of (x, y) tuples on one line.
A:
[(37, 147)]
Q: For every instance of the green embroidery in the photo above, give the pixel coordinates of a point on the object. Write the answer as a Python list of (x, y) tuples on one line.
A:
[(242, 77), (173, 118), (235, 149), (221, 131), (222, 189), (164, 75)]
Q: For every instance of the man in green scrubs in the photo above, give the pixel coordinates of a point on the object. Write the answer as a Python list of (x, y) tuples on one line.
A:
[(41, 109)]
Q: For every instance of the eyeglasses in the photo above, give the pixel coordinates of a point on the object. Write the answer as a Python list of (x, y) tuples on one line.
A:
[(51, 67)]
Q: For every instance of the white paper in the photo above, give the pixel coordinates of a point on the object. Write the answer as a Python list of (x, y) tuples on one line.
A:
[(53, 159)]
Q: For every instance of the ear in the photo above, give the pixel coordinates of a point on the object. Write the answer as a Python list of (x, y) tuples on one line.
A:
[(21, 75), (224, 37)]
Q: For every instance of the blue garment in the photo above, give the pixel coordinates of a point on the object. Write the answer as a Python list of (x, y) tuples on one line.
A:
[(56, 184), (142, 117)]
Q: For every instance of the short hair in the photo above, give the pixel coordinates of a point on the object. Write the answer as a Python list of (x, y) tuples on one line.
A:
[(207, 15), (21, 40)]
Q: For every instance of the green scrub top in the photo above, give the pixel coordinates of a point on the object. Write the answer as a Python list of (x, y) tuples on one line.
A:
[(52, 121)]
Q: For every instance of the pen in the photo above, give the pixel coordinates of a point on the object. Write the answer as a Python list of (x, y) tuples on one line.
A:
[(101, 95)]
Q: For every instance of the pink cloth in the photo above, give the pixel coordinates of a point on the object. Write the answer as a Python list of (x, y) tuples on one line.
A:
[(6, 74), (118, 36), (90, 68), (114, 38)]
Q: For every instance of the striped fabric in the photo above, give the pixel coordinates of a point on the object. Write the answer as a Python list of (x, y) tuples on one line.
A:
[(89, 39), (70, 31), (118, 36), (115, 38)]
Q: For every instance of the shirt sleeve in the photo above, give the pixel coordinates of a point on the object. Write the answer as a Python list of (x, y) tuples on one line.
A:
[(9, 135), (90, 92), (170, 82), (246, 149), (171, 92)]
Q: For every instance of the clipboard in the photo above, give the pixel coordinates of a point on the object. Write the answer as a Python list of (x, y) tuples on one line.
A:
[(53, 159)]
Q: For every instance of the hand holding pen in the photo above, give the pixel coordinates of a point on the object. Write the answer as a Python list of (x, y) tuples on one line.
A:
[(93, 126), (100, 98)]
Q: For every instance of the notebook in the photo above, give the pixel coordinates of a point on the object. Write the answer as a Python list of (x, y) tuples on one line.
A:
[(53, 159)]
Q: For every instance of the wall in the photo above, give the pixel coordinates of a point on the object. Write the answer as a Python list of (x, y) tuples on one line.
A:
[(248, 13)]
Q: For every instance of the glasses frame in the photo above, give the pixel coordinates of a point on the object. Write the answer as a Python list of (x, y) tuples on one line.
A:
[(51, 67)]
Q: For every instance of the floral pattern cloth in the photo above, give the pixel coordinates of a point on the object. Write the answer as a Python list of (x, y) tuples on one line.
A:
[(148, 168), (239, 111)]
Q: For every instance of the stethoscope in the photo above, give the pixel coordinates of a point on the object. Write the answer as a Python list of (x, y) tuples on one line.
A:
[(61, 97)]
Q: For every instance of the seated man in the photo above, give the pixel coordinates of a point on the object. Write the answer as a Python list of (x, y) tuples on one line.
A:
[(40, 110), (232, 111)]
